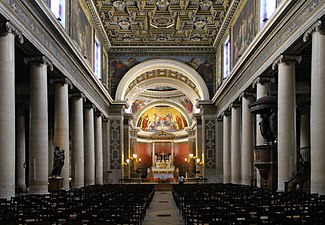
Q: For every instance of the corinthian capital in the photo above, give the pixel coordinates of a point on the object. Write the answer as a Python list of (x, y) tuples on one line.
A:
[(286, 58), (316, 27), (40, 59), (10, 28)]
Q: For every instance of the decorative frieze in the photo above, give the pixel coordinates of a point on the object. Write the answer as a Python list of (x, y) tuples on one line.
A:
[(115, 144), (210, 143)]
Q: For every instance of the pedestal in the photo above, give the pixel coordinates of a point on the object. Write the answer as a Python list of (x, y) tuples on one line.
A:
[(55, 184)]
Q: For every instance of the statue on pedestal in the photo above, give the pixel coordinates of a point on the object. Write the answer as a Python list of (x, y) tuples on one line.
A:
[(58, 162)]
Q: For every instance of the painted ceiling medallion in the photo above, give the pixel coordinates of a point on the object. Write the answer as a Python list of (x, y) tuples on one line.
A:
[(124, 24), (119, 5), (205, 4), (162, 22), (195, 38), (199, 24), (162, 5), (127, 37)]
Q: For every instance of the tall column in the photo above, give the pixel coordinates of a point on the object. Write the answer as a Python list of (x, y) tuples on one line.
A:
[(89, 145), (235, 144), (61, 124), (77, 140), (7, 110), (226, 147), (38, 141), (317, 120), (219, 151), (106, 152), (262, 89), (247, 139), (20, 149), (286, 117), (99, 148), (153, 153)]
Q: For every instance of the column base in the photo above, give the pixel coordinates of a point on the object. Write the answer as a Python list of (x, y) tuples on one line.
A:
[(55, 184)]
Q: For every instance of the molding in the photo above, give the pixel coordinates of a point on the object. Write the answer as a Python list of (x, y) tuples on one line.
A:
[(285, 59), (39, 59), (10, 28), (316, 27)]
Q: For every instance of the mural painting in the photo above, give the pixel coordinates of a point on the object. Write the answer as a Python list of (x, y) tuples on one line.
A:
[(81, 31), (162, 118), (243, 30), (138, 104), (105, 69), (204, 65), (187, 104)]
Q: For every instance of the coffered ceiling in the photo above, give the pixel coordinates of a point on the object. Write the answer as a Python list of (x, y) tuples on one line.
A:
[(162, 22)]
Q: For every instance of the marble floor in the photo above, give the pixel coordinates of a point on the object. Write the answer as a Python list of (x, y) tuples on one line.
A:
[(163, 210)]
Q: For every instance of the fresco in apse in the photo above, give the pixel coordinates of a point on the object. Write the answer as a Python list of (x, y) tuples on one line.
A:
[(162, 118)]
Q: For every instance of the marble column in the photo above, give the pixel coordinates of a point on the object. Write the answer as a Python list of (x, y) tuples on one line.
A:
[(89, 140), (38, 134), (77, 140), (317, 119), (7, 110), (106, 152), (61, 124), (226, 147), (20, 149), (286, 117), (235, 154), (98, 148), (262, 89), (247, 139)]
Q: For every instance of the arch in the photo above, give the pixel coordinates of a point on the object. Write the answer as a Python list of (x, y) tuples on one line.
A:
[(168, 64)]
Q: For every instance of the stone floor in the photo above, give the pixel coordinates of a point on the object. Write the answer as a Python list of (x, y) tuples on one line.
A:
[(163, 210)]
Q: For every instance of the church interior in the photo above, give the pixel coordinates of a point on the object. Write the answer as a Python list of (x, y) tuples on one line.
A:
[(218, 104)]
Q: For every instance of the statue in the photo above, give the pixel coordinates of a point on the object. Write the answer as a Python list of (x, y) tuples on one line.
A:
[(58, 162)]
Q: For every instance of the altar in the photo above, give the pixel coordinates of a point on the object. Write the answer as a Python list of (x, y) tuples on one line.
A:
[(162, 166)]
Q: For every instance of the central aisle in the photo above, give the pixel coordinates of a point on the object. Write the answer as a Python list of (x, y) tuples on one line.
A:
[(163, 210)]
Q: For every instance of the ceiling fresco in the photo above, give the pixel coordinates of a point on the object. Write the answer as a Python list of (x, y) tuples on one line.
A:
[(161, 22)]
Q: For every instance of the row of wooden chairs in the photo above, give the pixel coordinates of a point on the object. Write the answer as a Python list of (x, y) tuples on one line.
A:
[(97, 204), (241, 204)]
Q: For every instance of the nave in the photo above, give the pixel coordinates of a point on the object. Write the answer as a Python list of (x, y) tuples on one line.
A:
[(189, 204)]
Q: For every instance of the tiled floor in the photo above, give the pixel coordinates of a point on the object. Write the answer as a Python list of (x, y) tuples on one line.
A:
[(163, 210)]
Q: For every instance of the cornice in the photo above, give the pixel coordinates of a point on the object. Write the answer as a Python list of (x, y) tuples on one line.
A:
[(225, 24), (99, 26)]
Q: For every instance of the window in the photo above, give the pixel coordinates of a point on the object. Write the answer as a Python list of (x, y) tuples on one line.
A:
[(226, 58), (267, 8), (58, 9), (97, 59)]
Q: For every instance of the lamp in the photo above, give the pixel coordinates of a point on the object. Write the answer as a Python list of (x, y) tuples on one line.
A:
[(191, 155), (134, 156), (127, 161)]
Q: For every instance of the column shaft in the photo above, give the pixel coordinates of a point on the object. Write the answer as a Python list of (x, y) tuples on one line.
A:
[(61, 127), (317, 119), (99, 149), (235, 145), (286, 121), (20, 151), (247, 141), (7, 115), (226, 149), (39, 146), (219, 151), (89, 147), (77, 142)]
